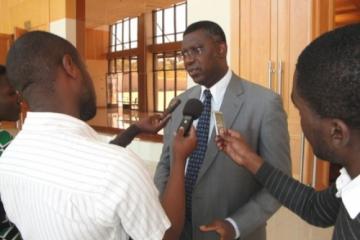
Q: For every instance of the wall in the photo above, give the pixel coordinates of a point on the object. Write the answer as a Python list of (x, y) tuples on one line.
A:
[(96, 47), (39, 13)]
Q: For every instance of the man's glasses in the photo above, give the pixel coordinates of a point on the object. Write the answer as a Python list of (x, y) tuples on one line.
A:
[(192, 52)]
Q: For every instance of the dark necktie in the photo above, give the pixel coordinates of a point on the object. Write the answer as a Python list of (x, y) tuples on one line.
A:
[(197, 157)]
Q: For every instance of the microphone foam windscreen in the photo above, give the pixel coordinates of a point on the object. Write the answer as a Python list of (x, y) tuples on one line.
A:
[(193, 108)]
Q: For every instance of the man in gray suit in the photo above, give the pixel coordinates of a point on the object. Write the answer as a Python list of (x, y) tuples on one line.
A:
[(226, 202)]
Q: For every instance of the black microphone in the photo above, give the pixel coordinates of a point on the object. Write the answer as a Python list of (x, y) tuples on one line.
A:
[(192, 111)]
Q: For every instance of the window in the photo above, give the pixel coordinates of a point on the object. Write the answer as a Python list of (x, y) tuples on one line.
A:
[(169, 73), (169, 24), (122, 79), (169, 76), (137, 67), (123, 82), (124, 35)]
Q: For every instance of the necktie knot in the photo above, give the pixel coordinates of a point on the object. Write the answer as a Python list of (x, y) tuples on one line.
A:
[(207, 94)]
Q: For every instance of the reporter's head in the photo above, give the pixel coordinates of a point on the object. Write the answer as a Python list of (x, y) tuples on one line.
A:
[(48, 71)]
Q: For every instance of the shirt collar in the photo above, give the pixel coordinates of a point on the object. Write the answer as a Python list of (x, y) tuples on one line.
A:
[(349, 191), (50, 121), (219, 88)]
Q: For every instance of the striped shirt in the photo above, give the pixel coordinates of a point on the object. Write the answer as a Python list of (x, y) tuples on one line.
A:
[(59, 181), (7, 230), (321, 208)]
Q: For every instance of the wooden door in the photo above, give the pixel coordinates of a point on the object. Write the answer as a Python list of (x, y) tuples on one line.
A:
[(257, 41)]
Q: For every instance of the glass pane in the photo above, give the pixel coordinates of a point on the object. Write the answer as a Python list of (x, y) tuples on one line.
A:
[(170, 86), (134, 29), (134, 65), (134, 90), (118, 33), (118, 45), (159, 91), (179, 37), (113, 35), (158, 25), (119, 88), (126, 88), (169, 38), (112, 66), (133, 45), (179, 61), (112, 48), (180, 18), (159, 61), (119, 67), (181, 81), (126, 34), (158, 40), (126, 65), (169, 63), (169, 20)]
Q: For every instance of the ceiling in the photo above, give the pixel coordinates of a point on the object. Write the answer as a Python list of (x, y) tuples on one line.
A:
[(347, 12), (105, 12)]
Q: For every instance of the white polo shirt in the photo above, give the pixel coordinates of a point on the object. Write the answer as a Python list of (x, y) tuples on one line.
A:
[(59, 181)]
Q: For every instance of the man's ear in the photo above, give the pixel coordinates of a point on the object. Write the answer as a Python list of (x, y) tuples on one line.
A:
[(222, 50), (339, 133), (69, 65)]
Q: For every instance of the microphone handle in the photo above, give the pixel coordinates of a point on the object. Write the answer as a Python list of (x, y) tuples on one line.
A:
[(186, 123)]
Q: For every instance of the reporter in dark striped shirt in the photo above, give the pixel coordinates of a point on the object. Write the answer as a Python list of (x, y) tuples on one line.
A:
[(326, 91)]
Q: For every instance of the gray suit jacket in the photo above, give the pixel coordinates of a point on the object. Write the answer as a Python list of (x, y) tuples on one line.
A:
[(224, 189)]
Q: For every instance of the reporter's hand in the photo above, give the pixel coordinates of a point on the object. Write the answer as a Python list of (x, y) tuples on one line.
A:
[(235, 146), (222, 227), (184, 146), (152, 124)]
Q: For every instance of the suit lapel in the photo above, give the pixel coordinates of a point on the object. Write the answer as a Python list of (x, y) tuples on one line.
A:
[(230, 107)]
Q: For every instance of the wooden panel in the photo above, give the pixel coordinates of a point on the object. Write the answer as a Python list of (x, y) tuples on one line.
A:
[(96, 44), (5, 43), (255, 40)]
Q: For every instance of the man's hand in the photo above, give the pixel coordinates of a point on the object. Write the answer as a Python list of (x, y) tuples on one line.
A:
[(184, 146), (235, 146), (222, 227), (152, 124)]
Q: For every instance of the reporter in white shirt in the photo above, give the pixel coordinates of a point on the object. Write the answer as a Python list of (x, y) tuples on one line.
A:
[(57, 179)]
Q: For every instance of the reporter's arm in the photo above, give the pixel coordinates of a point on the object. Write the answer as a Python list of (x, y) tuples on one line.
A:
[(173, 197)]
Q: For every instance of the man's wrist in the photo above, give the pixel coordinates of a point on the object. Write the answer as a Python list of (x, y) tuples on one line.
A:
[(253, 163), (235, 227)]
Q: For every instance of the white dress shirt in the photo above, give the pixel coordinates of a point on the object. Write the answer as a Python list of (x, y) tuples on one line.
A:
[(59, 181), (349, 192)]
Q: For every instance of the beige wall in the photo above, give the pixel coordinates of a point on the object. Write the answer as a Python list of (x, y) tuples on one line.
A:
[(97, 70), (40, 13)]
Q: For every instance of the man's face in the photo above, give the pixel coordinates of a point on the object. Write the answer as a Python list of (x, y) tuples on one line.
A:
[(315, 129), (87, 103), (9, 101), (201, 57)]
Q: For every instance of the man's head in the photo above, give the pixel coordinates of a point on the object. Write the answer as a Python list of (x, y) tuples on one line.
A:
[(9, 101), (204, 50), (51, 76), (327, 92)]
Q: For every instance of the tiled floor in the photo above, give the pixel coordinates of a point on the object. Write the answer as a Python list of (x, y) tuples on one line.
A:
[(285, 225)]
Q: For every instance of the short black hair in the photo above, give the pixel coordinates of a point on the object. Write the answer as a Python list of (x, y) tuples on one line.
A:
[(34, 58), (212, 28), (2, 70), (328, 75)]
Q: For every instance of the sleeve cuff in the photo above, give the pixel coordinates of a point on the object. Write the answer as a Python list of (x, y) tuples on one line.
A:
[(233, 223)]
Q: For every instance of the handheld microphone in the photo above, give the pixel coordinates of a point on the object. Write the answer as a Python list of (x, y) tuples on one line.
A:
[(192, 111)]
